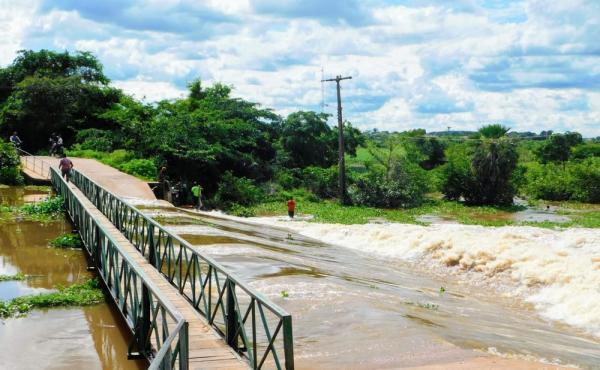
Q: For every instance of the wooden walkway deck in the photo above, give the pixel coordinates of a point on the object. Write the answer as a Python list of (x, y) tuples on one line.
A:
[(120, 183), (207, 350)]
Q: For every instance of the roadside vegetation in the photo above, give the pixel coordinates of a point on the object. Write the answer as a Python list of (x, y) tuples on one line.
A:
[(249, 160), (85, 294)]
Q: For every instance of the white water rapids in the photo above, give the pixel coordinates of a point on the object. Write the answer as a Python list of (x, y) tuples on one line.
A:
[(558, 271)]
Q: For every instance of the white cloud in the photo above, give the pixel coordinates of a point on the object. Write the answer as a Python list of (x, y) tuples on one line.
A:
[(442, 64)]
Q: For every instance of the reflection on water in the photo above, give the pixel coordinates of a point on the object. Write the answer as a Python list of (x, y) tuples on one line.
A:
[(353, 309), (19, 195), (62, 338)]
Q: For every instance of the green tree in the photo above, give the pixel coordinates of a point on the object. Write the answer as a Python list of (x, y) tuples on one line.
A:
[(10, 165), (493, 131), (481, 173), (558, 147), (44, 92), (307, 140)]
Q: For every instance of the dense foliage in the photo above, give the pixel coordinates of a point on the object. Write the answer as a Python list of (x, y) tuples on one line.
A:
[(10, 165), (481, 172), (242, 154), (44, 92)]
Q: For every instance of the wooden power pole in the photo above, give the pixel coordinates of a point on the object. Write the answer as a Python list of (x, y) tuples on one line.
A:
[(341, 147)]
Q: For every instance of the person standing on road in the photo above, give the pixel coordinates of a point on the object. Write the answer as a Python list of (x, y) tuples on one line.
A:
[(197, 195), (52, 142), (65, 166), (291, 204), (16, 140), (59, 145)]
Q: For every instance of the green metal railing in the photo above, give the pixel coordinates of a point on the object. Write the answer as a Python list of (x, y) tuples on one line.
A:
[(160, 331), (255, 327), (35, 164)]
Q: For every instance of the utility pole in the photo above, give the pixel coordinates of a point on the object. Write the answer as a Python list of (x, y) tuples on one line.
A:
[(341, 160)]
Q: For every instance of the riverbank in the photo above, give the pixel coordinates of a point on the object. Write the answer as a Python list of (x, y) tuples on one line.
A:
[(394, 306), (540, 214)]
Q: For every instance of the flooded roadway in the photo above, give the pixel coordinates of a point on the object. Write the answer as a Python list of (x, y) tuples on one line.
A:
[(58, 338), (354, 310)]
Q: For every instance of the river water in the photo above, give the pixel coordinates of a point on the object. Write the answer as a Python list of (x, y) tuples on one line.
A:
[(354, 308), (59, 338)]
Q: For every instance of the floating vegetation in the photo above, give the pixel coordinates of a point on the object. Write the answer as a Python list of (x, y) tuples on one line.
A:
[(66, 241), (86, 294), (284, 294), (49, 207), (427, 305), (16, 277)]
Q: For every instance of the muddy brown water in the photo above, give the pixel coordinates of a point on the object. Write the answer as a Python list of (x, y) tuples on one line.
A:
[(59, 338), (352, 310)]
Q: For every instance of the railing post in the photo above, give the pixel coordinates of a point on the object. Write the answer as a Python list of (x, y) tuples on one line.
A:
[(151, 246), (146, 317), (98, 250), (184, 347), (232, 322), (288, 342)]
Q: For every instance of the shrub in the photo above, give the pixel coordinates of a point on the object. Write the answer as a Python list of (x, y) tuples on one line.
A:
[(237, 191), (321, 181), (572, 181), (482, 174), (586, 150), (586, 180), (404, 188), (95, 139), (549, 182), (288, 178), (145, 168), (10, 165)]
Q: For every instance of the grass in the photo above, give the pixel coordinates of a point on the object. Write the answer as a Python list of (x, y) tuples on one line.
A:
[(332, 212), (66, 241), (16, 277), (86, 294)]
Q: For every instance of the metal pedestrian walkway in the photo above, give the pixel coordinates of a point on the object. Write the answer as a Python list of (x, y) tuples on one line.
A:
[(184, 309)]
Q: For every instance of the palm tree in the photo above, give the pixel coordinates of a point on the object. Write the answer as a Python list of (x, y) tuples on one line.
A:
[(493, 131)]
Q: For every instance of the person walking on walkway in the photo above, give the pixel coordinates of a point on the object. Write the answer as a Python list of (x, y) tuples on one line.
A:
[(52, 142), (291, 204), (65, 166), (16, 140), (59, 145), (197, 195)]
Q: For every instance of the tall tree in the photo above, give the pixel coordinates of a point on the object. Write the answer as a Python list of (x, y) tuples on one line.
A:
[(44, 91)]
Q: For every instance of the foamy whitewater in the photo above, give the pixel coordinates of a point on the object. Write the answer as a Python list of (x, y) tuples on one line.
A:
[(558, 271)]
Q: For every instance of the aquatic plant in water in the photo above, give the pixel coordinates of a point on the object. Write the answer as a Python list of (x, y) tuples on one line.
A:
[(85, 294), (16, 277), (66, 241), (49, 207)]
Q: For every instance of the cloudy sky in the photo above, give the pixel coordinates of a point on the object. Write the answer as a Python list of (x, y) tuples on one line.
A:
[(531, 65)]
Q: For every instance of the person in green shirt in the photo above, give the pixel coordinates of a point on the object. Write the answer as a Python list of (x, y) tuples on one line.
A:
[(197, 195)]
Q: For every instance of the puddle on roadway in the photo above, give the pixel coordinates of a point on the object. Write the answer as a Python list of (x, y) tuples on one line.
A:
[(61, 338), (354, 310)]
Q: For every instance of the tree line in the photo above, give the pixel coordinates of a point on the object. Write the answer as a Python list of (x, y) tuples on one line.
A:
[(242, 153)]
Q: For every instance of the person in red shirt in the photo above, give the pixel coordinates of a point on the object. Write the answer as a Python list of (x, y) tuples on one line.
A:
[(291, 207), (65, 165)]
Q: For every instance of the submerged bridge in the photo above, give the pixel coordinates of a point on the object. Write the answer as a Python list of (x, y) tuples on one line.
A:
[(184, 310)]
